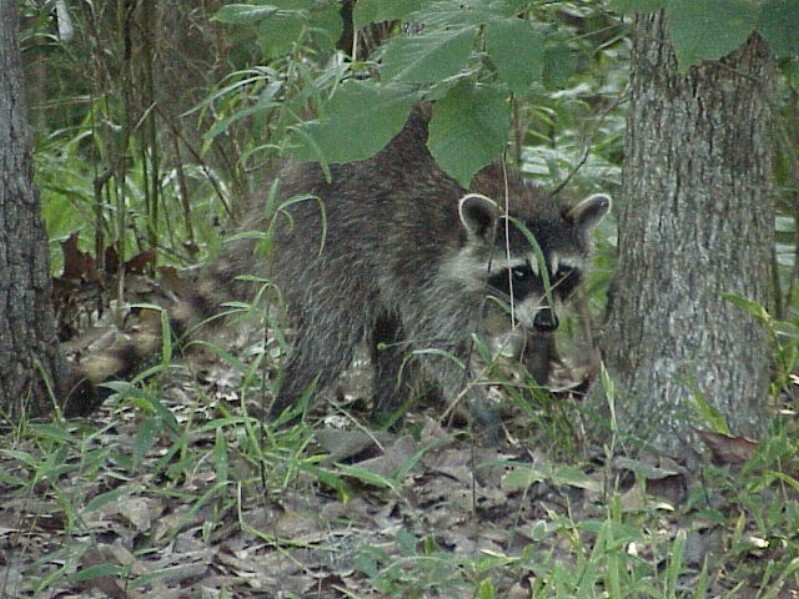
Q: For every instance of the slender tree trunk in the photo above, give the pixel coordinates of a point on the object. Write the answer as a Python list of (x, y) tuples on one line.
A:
[(29, 350), (696, 221)]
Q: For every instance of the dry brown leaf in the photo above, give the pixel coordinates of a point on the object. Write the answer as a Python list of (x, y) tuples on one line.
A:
[(344, 445), (727, 449), (396, 455), (139, 263), (108, 585), (645, 467), (634, 499), (78, 265)]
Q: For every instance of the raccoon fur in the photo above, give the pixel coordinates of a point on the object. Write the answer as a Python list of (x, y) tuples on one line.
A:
[(392, 251)]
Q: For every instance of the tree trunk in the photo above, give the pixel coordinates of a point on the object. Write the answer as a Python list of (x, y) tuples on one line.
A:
[(696, 221), (29, 352)]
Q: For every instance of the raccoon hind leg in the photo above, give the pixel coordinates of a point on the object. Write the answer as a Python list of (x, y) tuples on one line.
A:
[(323, 348)]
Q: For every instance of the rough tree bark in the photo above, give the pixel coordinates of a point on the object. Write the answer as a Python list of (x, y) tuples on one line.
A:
[(696, 221), (29, 349)]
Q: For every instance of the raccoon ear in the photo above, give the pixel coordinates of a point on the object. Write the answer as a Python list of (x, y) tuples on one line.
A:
[(590, 211), (478, 214)]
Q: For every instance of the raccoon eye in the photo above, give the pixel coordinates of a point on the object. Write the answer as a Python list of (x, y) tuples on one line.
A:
[(518, 281), (563, 272), (566, 279)]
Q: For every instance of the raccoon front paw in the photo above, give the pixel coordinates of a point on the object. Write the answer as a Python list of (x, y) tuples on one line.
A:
[(487, 423)]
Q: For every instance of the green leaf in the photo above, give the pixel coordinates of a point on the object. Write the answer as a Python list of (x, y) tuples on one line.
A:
[(560, 63), (366, 563), (517, 50), (486, 590), (709, 30), (748, 305), (367, 477), (675, 564), (447, 15), (522, 476), (105, 498), (281, 24), (326, 477), (428, 58), (244, 14), (574, 477), (359, 120), (375, 11), (147, 432), (779, 24), (708, 414), (469, 129), (277, 36), (222, 125), (95, 571), (630, 6), (327, 26)]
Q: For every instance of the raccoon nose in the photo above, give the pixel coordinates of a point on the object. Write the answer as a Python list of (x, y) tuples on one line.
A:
[(545, 321)]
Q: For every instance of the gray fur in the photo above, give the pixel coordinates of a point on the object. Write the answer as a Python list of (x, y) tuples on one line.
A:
[(387, 254)]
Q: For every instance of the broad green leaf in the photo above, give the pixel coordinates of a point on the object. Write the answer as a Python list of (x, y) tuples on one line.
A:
[(469, 129), (630, 6), (428, 58), (375, 11), (447, 14), (521, 477), (281, 23), (358, 122), (278, 34), (709, 30), (779, 24), (560, 63), (517, 50), (105, 498), (327, 25), (244, 14), (300, 4), (574, 477)]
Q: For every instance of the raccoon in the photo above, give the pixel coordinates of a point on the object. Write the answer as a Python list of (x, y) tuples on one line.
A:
[(392, 251)]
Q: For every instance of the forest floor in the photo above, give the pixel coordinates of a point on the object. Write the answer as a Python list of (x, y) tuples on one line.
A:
[(175, 489)]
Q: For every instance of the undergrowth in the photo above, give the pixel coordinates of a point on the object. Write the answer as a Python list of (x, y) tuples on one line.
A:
[(171, 464), (580, 530)]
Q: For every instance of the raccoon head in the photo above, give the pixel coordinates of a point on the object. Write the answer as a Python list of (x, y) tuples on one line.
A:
[(529, 263)]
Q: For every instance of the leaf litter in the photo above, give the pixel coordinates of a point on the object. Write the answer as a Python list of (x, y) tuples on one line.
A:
[(171, 501)]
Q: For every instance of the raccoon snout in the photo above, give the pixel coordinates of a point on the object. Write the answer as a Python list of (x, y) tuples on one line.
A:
[(545, 321)]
